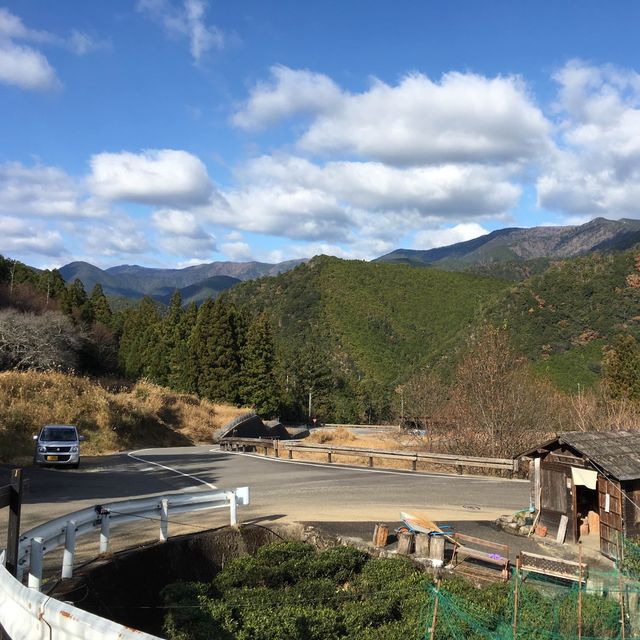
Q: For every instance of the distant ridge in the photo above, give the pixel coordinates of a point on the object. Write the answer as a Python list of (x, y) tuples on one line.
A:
[(519, 245), (195, 283)]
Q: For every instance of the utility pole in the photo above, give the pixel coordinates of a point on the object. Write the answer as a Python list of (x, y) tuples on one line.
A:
[(309, 406)]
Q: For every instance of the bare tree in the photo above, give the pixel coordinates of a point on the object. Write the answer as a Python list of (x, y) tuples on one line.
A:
[(30, 341), (498, 407), (423, 398)]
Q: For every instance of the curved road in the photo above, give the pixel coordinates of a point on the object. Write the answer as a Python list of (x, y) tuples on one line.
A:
[(280, 490)]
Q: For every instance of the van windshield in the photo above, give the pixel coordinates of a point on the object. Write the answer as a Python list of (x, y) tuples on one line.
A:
[(58, 434)]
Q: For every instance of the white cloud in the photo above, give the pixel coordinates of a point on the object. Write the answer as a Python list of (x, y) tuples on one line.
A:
[(398, 157), (22, 65), (119, 236), (173, 222), (181, 234), (463, 118), (199, 248), (39, 191), (12, 28), (447, 189), (186, 20), (596, 169), (430, 238), (234, 236), (288, 93), (162, 177), (363, 249), (26, 68), (288, 210), (21, 237), (82, 43), (343, 201), (237, 251)]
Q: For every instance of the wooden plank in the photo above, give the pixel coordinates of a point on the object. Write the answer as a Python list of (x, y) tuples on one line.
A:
[(562, 529), (479, 541), (476, 554)]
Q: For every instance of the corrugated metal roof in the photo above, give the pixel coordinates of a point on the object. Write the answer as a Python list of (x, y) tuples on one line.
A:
[(617, 452)]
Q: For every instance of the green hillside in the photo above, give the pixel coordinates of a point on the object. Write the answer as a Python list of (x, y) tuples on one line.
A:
[(563, 317), (369, 320)]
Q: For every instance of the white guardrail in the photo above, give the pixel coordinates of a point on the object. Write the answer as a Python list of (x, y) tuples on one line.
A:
[(26, 613)]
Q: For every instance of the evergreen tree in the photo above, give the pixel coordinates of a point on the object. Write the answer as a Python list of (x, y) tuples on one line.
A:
[(621, 368), (75, 297), (213, 345), (99, 305), (51, 284), (76, 303), (258, 379), (138, 337), (311, 376), (182, 367), (165, 340)]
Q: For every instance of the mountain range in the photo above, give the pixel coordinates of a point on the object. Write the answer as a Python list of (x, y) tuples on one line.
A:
[(519, 245), (195, 283), (512, 253)]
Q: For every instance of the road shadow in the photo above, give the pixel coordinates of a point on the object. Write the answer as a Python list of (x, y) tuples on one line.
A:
[(114, 477)]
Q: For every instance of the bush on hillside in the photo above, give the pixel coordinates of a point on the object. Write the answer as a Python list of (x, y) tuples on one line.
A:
[(118, 417), (38, 341)]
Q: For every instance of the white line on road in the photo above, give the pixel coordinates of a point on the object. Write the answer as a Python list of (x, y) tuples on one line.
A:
[(180, 473), (365, 470)]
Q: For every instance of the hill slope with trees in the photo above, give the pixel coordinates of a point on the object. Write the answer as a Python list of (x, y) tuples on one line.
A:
[(563, 317), (350, 331)]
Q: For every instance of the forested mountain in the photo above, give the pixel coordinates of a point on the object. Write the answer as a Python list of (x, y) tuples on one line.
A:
[(195, 283), (350, 334), (350, 331), (521, 245), (563, 317)]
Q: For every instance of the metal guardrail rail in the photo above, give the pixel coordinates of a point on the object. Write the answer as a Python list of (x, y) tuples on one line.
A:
[(27, 613), (451, 460)]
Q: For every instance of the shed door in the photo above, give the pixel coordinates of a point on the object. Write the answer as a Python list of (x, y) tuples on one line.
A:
[(610, 516)]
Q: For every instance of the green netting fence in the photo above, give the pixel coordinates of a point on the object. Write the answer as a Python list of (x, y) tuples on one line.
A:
[(533, 606)]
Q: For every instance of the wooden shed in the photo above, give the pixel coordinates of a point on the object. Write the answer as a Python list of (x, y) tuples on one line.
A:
[(580, 472)]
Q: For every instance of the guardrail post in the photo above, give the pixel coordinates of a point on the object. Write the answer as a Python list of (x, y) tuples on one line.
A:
[(371, 461), (35, 563), (164, 519), (290, 452), (233, 509), (13, 533), (414, 464), (104, 532), (69, 549), (328, 456)]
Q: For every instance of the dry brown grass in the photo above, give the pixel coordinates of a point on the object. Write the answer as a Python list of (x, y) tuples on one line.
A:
[(112, 416), (385, 441)]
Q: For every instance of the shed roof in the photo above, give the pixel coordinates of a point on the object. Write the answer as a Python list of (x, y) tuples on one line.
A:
[(616, 452)]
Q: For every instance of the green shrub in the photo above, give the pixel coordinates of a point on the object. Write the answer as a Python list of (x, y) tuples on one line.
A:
[(600, 616)]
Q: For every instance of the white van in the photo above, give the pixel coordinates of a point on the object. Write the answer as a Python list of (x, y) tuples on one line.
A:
[(58, 444)]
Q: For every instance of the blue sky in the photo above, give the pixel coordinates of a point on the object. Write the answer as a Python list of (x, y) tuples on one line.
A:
[(173, 132)]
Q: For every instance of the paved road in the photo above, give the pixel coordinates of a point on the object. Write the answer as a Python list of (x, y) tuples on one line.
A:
[(280, 490)]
